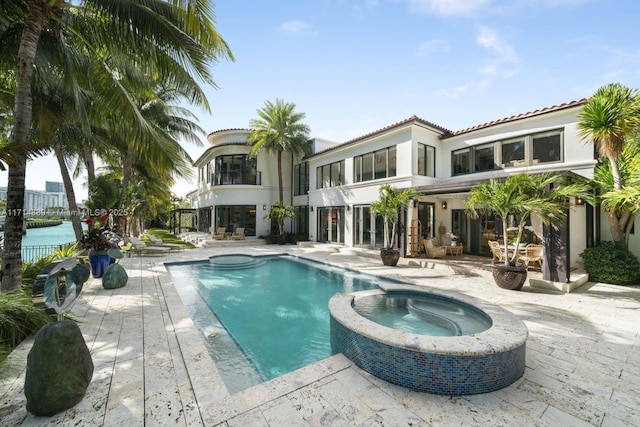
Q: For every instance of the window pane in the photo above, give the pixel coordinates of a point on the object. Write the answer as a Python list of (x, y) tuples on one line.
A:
[(392, 161), (460, 161), (319, 177), (421, 159), (335, 174), (484, 158), (341, 178), (380, 164), (296, 180), (367, 167), (251, 171), (326, 176), (431, 161), (357, 169), (546, 147), (513, 153)]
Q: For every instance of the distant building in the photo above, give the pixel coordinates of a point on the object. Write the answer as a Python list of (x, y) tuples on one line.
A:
[(53, 197)]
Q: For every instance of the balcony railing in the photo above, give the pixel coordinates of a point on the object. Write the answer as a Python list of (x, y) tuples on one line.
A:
[(235, 178)]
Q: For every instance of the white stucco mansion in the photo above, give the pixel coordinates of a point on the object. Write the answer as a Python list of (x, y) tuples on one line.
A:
[(333, 187)]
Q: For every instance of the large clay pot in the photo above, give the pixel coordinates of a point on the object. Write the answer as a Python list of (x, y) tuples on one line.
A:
[(510, 277), (390, 257)]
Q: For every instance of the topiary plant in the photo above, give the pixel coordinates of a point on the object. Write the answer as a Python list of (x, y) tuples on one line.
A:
[(608, 263)]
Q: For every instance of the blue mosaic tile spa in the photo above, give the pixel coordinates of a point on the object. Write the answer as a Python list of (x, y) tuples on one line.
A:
[(449, 363)]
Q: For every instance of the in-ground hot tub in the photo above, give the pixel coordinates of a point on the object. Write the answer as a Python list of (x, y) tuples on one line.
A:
[(487, 357)]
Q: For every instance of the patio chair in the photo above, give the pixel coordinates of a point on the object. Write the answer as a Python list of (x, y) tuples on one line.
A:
[(238, 234), (434, 251), (496, 251), (140, 248), (159, 243), (533, 255), (220, 234)]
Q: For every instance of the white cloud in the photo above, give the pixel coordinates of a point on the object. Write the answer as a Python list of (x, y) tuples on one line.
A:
[(448, 7), (477, 86), (502, 55), (432, 46), (294, 27)]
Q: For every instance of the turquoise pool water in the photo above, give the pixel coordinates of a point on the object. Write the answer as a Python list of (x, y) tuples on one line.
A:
[(275, 310)]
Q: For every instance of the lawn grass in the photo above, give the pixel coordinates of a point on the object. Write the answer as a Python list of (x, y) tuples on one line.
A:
[(167, 237)]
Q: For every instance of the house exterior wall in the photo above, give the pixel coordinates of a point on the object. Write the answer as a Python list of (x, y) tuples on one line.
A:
[(261, 195), (577, 156)]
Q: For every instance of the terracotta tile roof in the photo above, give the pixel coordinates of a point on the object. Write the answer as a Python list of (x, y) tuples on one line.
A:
[(401, 123), (522, 116), (228, 130)]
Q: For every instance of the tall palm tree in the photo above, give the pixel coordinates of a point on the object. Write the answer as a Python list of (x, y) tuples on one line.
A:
[(279, 129), (177, 38), (611, 118)]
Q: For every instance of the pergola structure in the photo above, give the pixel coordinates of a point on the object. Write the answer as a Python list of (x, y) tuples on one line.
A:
[(183, 220)]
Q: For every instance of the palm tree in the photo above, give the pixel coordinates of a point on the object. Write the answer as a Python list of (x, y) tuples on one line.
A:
[(388, 207), (611, 117), (523, 195), (621, 205), (176, 39), (279, 130)]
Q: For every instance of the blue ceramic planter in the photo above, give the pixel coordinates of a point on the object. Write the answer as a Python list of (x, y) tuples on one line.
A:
[(99, 261)]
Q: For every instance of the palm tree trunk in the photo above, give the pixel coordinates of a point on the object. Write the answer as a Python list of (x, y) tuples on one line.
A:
[(71, 195), (127, 174), (617, 228), (11, 275), (615, 172), (89, 164), (280, 186)]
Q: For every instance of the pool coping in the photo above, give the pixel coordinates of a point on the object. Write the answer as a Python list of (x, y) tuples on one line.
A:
[(507, 331)]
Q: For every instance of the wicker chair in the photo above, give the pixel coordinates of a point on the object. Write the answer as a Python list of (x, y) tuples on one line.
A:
[(434, 251), (533, 255), (220, 234), (496, 251)]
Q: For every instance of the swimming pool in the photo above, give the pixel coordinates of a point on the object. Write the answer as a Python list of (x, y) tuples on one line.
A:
[(270, 317)]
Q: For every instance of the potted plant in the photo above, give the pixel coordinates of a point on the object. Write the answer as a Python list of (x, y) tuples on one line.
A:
[(98, 240), (520, 196), (278, 213), (388, 205)]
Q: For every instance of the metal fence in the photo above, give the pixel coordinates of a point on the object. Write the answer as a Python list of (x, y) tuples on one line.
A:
[(31, 253)]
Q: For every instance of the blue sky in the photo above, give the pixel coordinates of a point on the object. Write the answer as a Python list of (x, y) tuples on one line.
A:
[(354, 66)]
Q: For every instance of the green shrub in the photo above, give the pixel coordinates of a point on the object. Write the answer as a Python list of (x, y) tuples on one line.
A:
[(607, 263), (19, 318)]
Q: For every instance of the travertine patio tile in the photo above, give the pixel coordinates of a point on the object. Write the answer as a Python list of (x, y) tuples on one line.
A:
[(554, 416), (282, 411)]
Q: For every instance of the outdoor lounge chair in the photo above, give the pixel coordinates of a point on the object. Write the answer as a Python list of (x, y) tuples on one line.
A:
[(434, 251), (219, 234), (139, 247), (238, 234), (158, 242)]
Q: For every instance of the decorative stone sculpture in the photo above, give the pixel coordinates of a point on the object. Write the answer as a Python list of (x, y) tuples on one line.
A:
[(59, 369), (114, 277), (59, 365)]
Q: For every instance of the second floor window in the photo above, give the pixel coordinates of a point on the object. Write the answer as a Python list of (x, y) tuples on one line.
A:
[(331, 175), (301, 179), (375, 165), (236, 169), (426, 160)]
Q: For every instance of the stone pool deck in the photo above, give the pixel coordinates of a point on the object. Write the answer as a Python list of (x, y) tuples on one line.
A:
[(151, 367)]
